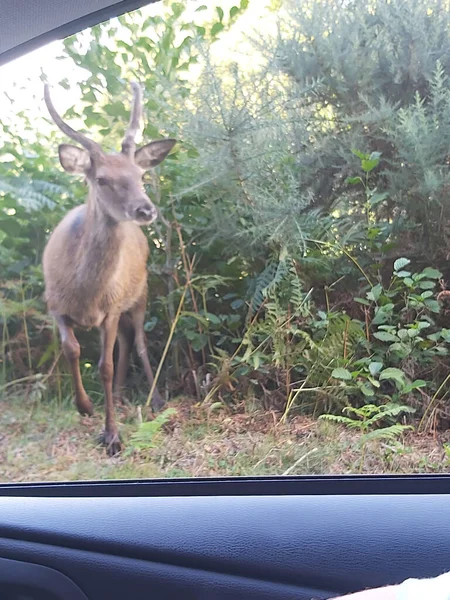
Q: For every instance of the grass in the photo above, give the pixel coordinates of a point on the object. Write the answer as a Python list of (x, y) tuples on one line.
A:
[(48, 440)]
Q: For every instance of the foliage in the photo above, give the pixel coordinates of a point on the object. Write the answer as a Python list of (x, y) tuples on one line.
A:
[(144, 437), (368, 418)]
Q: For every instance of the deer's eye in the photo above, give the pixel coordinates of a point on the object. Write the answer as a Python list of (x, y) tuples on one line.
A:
[(102, 181)]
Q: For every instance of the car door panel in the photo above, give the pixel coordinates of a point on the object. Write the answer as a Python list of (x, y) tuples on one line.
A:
[(261, 545), (107, 576)]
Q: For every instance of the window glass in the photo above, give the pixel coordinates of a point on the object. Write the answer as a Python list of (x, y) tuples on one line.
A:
[(289, 174)]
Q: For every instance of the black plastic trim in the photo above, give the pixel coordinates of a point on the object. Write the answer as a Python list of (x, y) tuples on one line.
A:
[(38, 578), (116, 577), (94, 18), (237, 486)]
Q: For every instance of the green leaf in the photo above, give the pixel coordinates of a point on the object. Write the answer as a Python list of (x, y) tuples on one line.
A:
[(360, 154), (369, 165), (431, 273), (199, 342), (234, 10), (402, 349), (214, 319), (375, 367), (382, 314), (433, 305), (403, 334), (353, 180), (362, 301), (418, 383), (244, 4), (401, 263), (403, 274), (237, 304), (375, 292), (341, 373), (374, 382), (368, 391), (394, 374), (427, 285), (384, 336), (216, 28), (220, 13), (196, 316), (64, 83)]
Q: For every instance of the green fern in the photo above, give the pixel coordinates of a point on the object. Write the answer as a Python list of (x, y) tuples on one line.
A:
[(144, 437), (369, 416), (390, 433), (267, 281), (33, 195), (351, 423)]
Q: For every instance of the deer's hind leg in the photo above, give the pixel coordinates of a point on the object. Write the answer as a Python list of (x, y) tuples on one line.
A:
[(72, 351), (126, 340)]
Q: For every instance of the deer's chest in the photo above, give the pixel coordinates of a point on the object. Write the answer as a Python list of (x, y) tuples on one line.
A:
[(115, 295), (94, 276)]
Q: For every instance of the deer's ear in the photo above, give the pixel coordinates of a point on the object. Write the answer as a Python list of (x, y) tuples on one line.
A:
[(74, 159), (154, 153)]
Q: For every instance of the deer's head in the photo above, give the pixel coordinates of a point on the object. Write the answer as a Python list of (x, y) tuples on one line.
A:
[(115, 179)]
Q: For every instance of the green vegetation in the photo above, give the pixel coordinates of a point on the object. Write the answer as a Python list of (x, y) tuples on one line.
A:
[(303, 241)]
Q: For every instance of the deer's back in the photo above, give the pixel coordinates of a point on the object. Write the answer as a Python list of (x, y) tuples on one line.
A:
[(87, 276)]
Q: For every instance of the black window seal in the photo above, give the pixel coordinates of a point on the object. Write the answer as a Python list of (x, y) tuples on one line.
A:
[(238, 486)]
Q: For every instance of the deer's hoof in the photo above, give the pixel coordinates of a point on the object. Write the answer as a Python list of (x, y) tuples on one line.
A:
[(84, 406), (111, 439)]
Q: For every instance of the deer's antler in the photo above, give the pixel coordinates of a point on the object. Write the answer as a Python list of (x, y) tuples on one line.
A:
[(129, 144), (78, 137)]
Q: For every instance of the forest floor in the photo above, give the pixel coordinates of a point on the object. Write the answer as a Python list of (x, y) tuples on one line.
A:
[(49, 442)]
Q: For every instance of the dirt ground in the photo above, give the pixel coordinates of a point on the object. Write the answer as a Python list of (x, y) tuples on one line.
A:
[(42, 441)]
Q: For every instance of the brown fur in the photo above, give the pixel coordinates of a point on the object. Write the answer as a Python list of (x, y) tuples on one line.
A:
[(100, 266)]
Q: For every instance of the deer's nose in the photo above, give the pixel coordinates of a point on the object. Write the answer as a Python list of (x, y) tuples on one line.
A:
[(145, 213)]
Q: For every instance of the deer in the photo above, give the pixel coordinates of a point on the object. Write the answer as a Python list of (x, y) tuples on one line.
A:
[(95, 260)]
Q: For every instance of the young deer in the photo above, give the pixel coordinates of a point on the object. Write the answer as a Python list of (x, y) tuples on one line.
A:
[(95, 262)]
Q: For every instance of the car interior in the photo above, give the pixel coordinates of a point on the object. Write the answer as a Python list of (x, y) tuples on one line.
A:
[(280, 538)]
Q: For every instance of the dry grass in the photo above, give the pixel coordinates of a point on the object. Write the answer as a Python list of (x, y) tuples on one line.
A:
[(44, 441)]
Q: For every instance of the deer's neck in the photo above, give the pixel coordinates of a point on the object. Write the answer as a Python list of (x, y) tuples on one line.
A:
[(100, 244)]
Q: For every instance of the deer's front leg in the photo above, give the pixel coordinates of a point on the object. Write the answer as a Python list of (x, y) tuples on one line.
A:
[(71, 349), (110, 436)]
